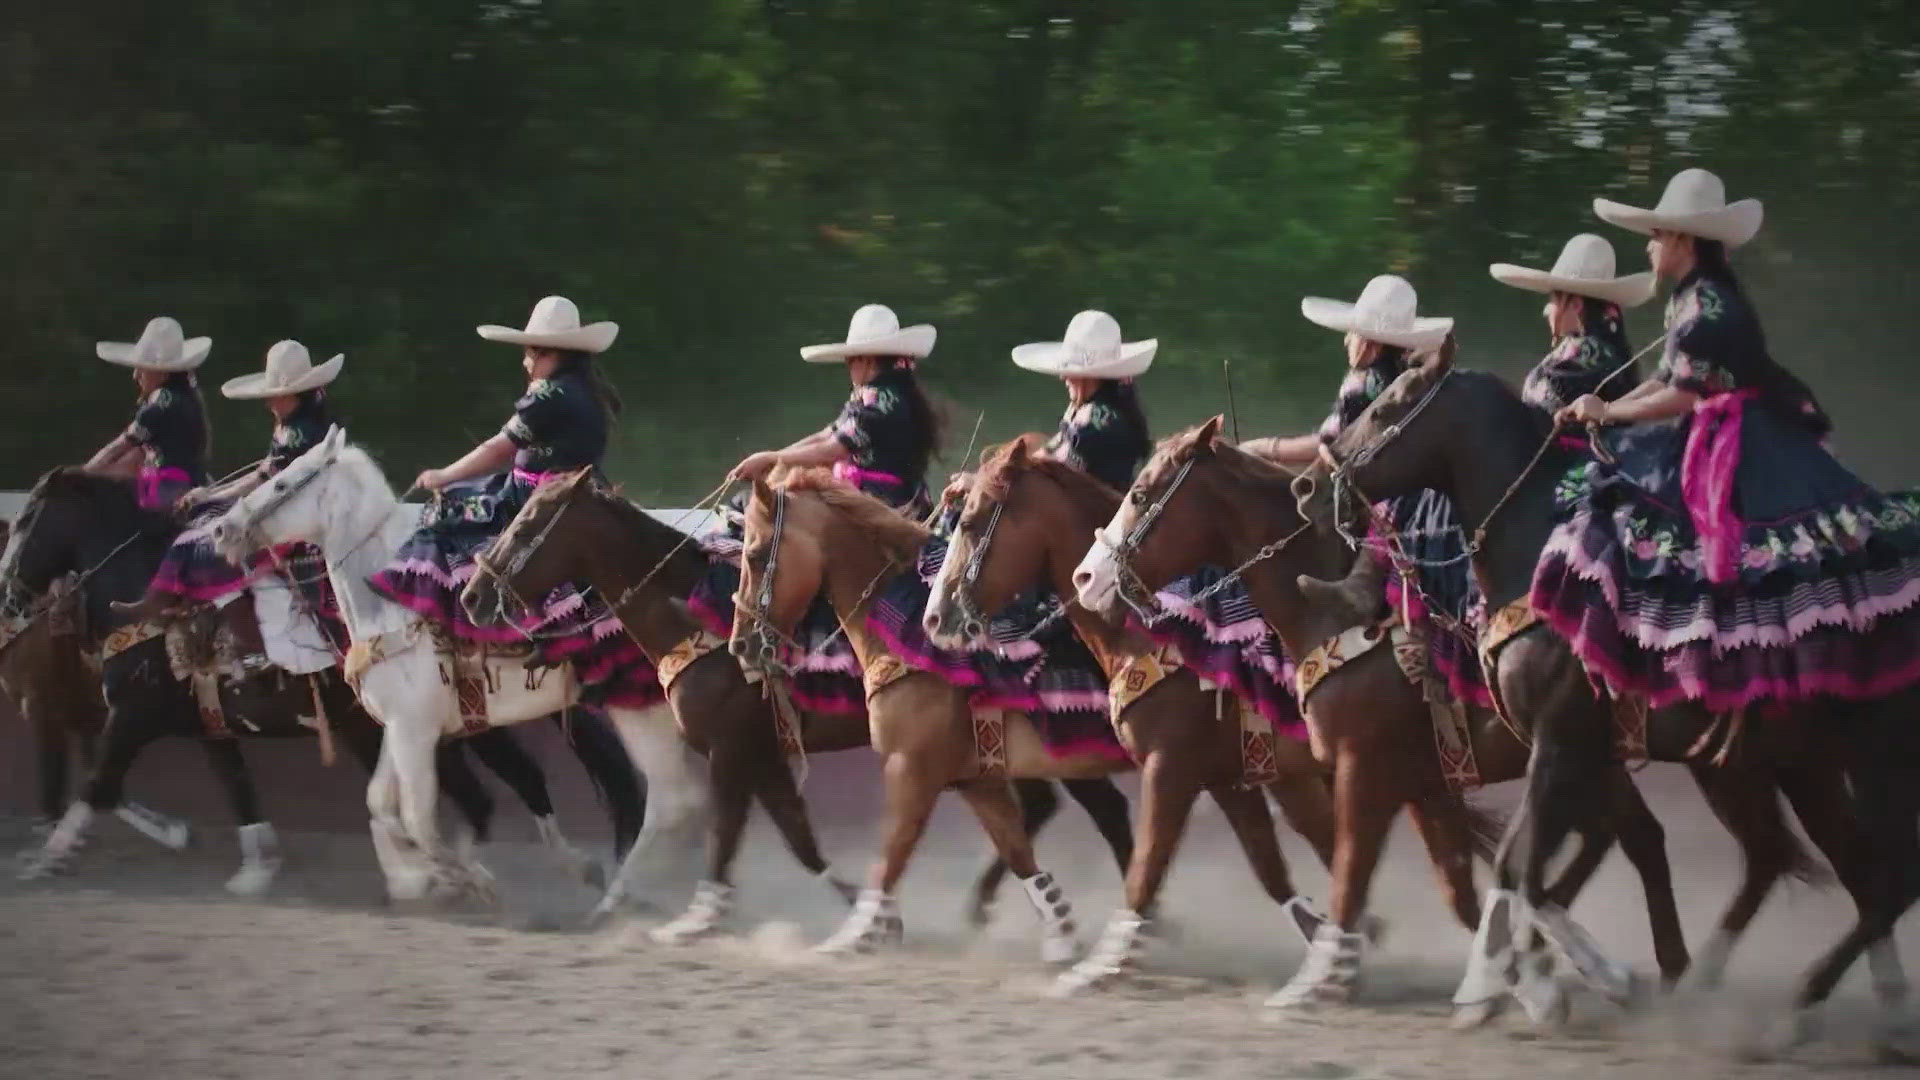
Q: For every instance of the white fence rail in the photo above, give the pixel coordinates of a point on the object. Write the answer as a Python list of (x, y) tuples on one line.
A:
[(11, 503)]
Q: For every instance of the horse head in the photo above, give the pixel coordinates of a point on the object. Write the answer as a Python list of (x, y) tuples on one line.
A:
[(792, 524), (544, 547), (306, 501), (1025, 523), (78, 522), (1401, 443)]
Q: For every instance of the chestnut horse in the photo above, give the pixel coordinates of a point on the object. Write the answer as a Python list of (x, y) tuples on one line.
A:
[(809, 531), (576, 530), (1468, 435), (1200, 501), (1021, 528)]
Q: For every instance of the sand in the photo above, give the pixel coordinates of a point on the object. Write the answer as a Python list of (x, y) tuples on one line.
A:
[(139, 966)]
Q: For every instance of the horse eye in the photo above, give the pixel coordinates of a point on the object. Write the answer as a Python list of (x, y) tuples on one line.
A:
[(1138, 498), (279, 485)]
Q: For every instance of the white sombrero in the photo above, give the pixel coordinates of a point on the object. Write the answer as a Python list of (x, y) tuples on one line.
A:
[(162, 347), (1384, 313), (1694, 203), (1585, 267), (555, 324), (874, 330), (289, 371), (1090, 349)]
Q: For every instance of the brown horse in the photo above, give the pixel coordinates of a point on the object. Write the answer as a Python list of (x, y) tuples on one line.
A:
[(1468, 435), (1202, 501), (1021, 528), (576, 530), (812, 532)]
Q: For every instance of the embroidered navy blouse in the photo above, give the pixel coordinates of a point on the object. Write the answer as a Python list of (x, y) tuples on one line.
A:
[(1100, 440), (1588, 362), (878, 429), (171, 426), (301, 431), (558, 425)]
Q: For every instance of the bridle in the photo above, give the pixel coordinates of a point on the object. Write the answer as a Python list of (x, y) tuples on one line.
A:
[(973, 623), (503, 577), (763, 638), (1133, 590)]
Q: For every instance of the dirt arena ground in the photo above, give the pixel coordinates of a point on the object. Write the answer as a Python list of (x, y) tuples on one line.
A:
[(139, 965)]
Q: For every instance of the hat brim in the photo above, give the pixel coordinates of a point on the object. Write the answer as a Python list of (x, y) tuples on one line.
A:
[(255, 387), (914, 341), (1425, 333), (1732, 225), (193, 353), (1054, 358), (1629, 291), (593, 338)]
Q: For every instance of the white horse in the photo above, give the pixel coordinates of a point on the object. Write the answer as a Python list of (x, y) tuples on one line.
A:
[(337, 499)]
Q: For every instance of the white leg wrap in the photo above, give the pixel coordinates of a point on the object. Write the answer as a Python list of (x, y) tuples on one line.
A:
[(259, 860), (57, 851), (167, 832), (873, 923), (1607, 978), (1490, 964), (712, 902), (1057, 944), (1116, 954), (1330, 973), (1889, 974)]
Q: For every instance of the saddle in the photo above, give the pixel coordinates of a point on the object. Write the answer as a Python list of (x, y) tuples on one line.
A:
[(472, 669)]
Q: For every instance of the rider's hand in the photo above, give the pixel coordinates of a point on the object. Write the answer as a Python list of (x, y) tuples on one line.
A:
[(754, 466), (186, 504), (431, 480), (957, 486), (1587, 409)]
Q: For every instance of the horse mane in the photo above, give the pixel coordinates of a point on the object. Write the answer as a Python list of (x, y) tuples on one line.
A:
[(684, 561), (1000, 465), (1242, 463), (902, 537), (1414, 384)]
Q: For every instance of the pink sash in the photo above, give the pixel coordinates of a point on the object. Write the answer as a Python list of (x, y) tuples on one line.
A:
[(1707, 474)]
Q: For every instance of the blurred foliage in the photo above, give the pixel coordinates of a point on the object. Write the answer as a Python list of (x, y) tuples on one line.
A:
[(728, 179)]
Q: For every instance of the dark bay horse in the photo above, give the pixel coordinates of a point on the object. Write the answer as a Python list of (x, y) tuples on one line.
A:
[(1468, 435), (577, 530), (1201, 500), (1023, 527), (810, 533), (76, 522)]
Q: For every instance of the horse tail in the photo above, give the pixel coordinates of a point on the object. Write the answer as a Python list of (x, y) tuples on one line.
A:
[(617, 784)]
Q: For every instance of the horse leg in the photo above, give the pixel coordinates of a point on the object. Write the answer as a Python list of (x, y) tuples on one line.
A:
[(1252, 823), (780, 795), (614, 777), (1745, 802), (1643, 840), (993, 802), (259, 847), (1367, 794), (1103, 801), (1167, 794), (730, 775), (913, 785), (1038, 803), (51, 751), (406, 878), (411, 750), (469, 796), (128, 732), (677, 792), (1306, 801)]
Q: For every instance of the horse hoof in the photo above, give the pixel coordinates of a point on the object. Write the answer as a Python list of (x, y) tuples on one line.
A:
[(1330, 974), (873, 924), (1896, 1038), (711, 903), (1374, 929), (1113, 956), (980, 914), (253, 880), (1477, 1015), (1058, 949), (39, 864), (1785, 1035)]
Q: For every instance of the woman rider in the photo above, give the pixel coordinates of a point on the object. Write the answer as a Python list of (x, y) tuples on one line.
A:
[(1383, 335), (1727, 557)]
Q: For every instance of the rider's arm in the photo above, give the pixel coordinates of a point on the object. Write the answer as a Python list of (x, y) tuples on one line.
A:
[(120, 457), (483, 460), (1285, 449), (1661, 403)]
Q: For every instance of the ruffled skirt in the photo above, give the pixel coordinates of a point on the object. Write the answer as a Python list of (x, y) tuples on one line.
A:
[(1728, 558)]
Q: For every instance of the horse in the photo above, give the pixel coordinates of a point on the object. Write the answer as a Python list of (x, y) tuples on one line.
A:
[(335, 498), (69, 527), (1018, 529), (576, 529), (1468, 435), (928, 735), (1201, 500)]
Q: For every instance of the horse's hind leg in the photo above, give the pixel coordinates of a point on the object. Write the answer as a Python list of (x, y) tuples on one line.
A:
[(1643, 840), (1306, 802), (677, 792), (1745, 801), (51, 752), (994, 804), (259, 847), (1038, 803), (781, 796), (127, 734)]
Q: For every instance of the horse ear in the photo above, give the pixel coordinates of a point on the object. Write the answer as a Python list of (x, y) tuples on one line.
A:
[(336, 438), (1210, 432), (1023, 448), (762, 491)]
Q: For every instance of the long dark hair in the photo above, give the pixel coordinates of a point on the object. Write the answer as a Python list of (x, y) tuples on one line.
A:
[(1791, 397), (1123, 396), (576, 362), (929, 414)]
